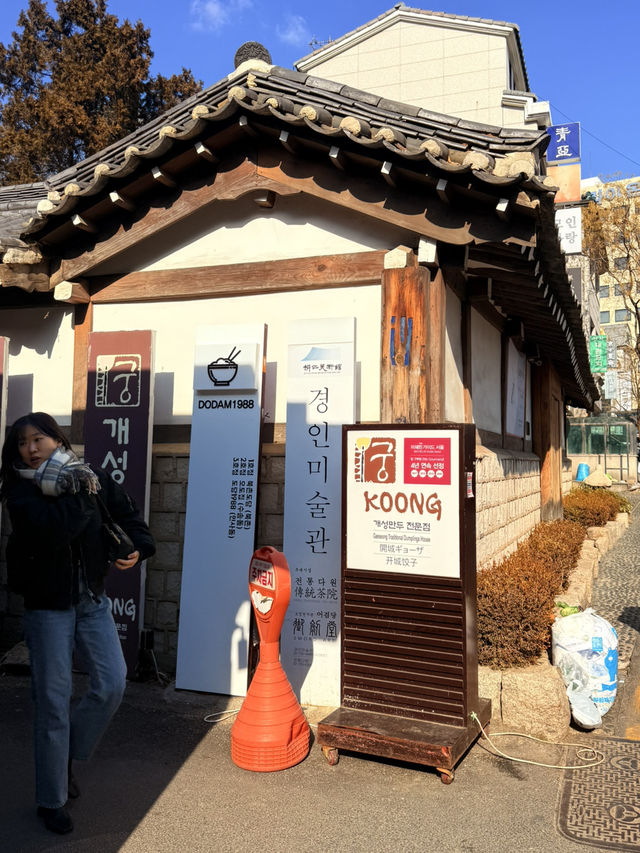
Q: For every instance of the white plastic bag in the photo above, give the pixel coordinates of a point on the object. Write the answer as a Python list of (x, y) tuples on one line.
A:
[(584, 647)]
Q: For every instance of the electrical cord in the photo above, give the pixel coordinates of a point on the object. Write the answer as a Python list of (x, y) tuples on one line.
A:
[(221, 715), (584, 753)]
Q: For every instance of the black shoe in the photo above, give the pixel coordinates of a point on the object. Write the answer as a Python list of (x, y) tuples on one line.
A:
[(56, 820), (73, 791)]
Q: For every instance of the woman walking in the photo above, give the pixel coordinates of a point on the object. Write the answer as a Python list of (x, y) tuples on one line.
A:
[(57, 559)]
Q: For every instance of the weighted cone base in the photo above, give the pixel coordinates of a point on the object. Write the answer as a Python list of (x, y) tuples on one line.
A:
[(270, 731)]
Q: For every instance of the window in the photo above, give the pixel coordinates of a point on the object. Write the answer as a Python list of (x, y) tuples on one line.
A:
[(604, 316), (620, 263), (603, 293), (616, 290), (622, 315)]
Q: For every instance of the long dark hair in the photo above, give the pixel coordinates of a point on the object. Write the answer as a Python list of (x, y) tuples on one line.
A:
[(41, 421)]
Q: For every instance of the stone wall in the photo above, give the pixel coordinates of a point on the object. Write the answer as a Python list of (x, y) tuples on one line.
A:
[(508, 507), (567, 476), (507, 501), (168, 510)]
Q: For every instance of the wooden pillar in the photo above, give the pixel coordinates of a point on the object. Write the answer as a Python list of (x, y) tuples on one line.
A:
[(547, 413), (412, 377), (467, 384), (83, 326)]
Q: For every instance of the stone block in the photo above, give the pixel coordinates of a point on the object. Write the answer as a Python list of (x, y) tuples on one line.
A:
[(534, 701), (174, 584), (182, 469), (167, 555), (155, 584), (578, 592), (164, 525), (155, 496), (173, 497), (167, 614), (270, 498), (164, 468), (490, 687)]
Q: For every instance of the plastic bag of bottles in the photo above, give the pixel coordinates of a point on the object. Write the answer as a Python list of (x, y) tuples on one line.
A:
[(584, 647)]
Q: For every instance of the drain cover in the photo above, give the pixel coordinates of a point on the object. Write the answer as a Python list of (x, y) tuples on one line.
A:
[(600, 805)]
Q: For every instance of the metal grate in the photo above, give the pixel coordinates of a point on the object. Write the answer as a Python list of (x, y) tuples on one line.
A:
[(403, 645)]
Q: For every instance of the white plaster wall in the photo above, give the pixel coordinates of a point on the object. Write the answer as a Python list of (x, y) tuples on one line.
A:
[(40, 370), (240, 231), (175, 324), (454, 388), (485, 374), (439, 68)]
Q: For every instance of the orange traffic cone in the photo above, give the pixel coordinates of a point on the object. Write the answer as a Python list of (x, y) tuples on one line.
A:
[(270, 731)]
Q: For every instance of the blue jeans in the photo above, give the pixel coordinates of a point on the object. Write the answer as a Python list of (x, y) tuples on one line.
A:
[(61, 734)]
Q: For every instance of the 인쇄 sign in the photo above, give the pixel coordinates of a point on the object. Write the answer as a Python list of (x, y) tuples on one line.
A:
[(403, 501)]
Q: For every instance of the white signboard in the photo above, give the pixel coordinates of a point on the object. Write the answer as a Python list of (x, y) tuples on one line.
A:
[(624, 395), (320, 398), (569, 225), (403, 501), (213, 637), (611, 384)]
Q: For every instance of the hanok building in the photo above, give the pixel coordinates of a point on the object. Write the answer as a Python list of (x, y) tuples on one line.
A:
[(277, 195)]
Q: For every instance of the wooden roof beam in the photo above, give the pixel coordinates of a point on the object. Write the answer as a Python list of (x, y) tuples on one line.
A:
[(288, 142), (84, 224), (121, 201), (205, 153), (163, 178), (337, 158)]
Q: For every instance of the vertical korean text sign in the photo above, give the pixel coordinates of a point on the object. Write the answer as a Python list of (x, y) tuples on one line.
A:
[(118, 437), (219, 539), (320, 399)]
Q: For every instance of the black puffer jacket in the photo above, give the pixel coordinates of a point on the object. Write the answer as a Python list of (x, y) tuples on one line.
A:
[(56, 540)]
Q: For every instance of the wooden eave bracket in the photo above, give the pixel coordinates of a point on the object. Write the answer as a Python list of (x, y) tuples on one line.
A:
[(73, 292), (428, 253), (27, 277)]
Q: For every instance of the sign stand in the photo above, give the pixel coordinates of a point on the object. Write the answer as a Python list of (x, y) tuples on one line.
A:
[(408, 647)]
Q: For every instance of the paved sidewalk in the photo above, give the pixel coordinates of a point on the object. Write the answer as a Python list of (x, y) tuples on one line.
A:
[(163, 779)]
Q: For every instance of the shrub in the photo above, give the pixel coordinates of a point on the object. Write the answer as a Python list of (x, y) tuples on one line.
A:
[(558, 545), (592, 507), (516, 597)]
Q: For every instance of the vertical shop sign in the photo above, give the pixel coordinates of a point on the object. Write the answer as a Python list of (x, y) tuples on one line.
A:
[(213, 636), (320, 399), (118, 437)]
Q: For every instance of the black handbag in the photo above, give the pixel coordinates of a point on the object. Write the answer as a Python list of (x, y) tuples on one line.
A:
[(118, 543)]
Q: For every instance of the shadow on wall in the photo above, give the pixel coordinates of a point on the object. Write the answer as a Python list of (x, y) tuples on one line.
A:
[(19, 396)]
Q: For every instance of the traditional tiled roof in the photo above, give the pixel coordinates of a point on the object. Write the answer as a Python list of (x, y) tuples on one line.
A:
[(454, 147), (434, 158)]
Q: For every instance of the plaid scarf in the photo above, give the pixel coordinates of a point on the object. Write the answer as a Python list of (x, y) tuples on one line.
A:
[(61, 473)]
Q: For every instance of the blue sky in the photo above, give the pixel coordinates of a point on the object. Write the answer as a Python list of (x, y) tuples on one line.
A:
[(582, 57)]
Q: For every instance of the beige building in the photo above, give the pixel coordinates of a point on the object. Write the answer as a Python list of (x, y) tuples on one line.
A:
[(468, 67)]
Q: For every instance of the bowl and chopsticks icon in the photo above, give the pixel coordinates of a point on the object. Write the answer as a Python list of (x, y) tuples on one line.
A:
[(222, 371)]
